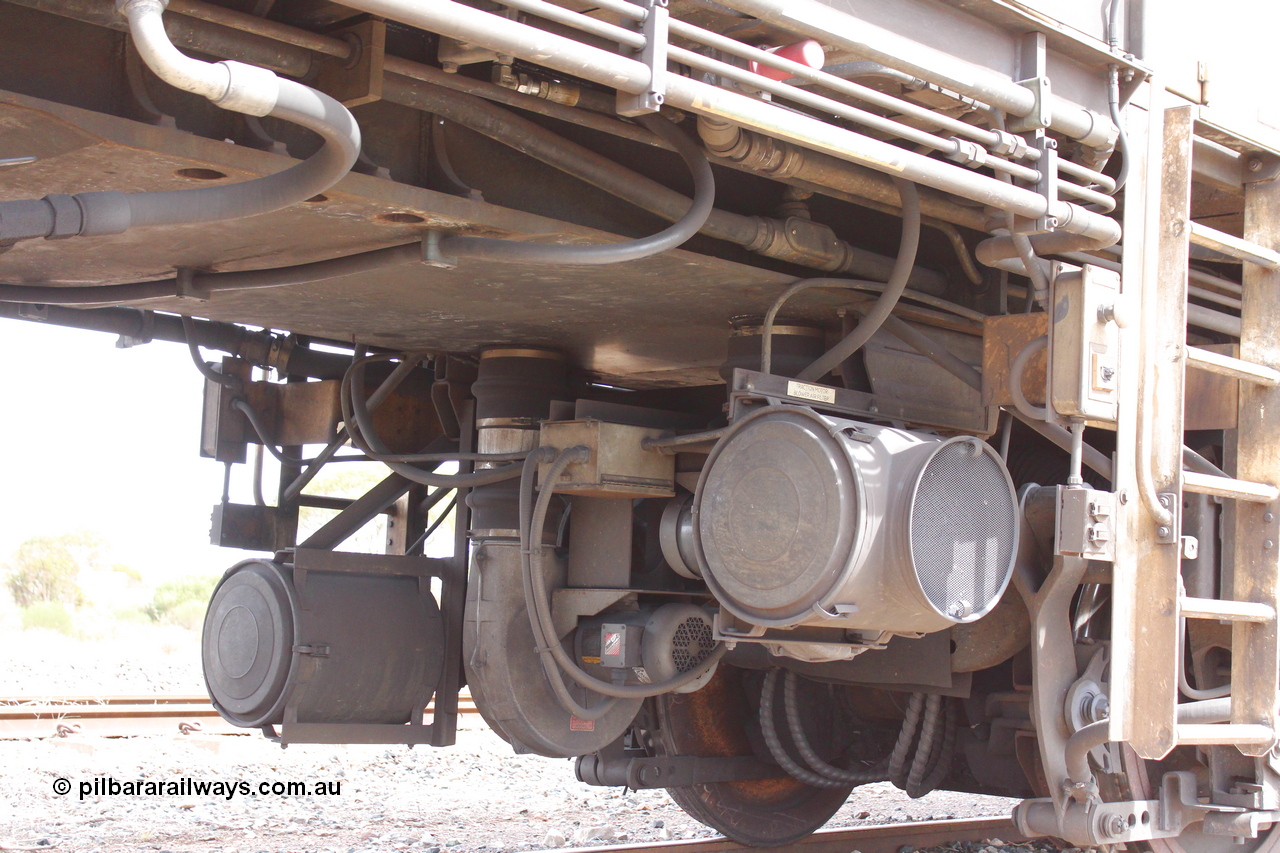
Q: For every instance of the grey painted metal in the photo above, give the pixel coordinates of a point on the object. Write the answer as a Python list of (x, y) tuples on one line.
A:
[(823, 22), (565, 54)]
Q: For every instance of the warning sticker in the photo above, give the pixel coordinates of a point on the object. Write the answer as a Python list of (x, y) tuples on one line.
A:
[(576, 725), (612, 644), (805, 391)]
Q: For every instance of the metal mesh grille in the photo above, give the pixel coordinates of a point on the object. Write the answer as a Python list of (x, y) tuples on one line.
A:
[(963, 524), (691, 644)]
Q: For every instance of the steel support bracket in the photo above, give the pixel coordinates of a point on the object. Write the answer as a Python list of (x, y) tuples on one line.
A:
[(357, 79), (1258, 167), (1033, 69), (654, 55), (1170, 534), (1046, 186)]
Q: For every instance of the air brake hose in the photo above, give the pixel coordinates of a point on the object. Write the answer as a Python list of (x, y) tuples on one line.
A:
[(517, 252), (884, 305), (770, 731), (232, 85)]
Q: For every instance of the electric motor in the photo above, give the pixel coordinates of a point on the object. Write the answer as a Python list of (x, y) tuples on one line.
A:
[(802, 519)]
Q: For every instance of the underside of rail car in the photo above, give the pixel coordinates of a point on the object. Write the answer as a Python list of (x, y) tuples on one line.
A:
[(823, 393)]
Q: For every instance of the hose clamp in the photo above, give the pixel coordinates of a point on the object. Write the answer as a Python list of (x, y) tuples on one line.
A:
[(250, 90)]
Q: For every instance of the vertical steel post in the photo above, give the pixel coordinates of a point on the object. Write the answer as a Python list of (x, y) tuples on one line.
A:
[(1148, 558), (1255, 662)]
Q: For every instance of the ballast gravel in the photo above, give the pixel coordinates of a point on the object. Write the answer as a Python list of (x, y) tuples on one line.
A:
[(474, 796)]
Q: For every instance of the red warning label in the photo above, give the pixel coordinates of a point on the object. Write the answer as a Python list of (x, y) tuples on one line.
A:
[(576, 725)]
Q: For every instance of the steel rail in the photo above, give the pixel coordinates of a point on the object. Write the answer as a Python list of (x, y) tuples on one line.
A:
[(118, 716), (887, 838)]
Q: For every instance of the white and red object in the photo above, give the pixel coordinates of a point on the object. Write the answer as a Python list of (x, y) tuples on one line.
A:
[(808, 53)]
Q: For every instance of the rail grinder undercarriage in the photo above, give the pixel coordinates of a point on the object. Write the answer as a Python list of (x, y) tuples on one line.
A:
[(821, 393)]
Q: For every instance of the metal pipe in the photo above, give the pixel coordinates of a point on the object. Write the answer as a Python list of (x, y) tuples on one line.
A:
[(144, 326), (827, 78), (629, 75), (752, 232), (831, 26), (1080, 744)]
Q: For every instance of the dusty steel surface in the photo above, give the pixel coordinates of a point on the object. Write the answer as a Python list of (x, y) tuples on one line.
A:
[(867, 839)]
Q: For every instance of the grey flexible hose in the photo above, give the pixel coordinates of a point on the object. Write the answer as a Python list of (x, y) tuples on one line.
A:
[(517, 252), (774, 743), (897, 283), (193, 346), (1016, 368), (366, 438), (549, 667), (254, 421), (801, 740), (203, 283), (112, 212), (542, 609)]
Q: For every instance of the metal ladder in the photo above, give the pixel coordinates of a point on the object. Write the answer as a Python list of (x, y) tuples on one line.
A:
[(1150, 603)]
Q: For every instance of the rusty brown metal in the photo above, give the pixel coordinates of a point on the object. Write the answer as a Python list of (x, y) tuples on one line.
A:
[(1002, 339), (1212, 400), (1149, 441), (1255, 662), (357, 80)]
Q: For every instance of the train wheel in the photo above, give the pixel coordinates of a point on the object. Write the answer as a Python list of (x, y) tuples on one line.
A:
[(1140, 782), (722, 720)]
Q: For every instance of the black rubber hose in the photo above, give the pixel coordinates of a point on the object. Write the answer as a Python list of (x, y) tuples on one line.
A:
[(774, 743), (943, 765), (201, 283), (517, 252), (929, 730), (884, 305), (111, 212), (902, 748), (801, 740)]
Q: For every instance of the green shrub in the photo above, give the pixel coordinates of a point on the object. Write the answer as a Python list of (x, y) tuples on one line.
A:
[(50, 615), (188, 614), (45, 568), (172, 597), (132, 616)]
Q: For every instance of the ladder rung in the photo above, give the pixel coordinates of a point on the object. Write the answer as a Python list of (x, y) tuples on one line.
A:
[(1229, 611), (1207, 734), (1236, 368), (1226, 487), (1234, 247)]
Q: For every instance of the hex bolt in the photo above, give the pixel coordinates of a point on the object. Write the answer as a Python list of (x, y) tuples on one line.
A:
[(1114, 826), (1162, 531)]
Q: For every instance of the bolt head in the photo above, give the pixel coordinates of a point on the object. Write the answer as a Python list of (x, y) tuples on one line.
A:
[(1268, 544), (1255, 164), (1162, 531)]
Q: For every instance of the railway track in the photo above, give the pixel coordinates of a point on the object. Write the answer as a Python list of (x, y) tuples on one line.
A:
[(889, 838), (123, 716)]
